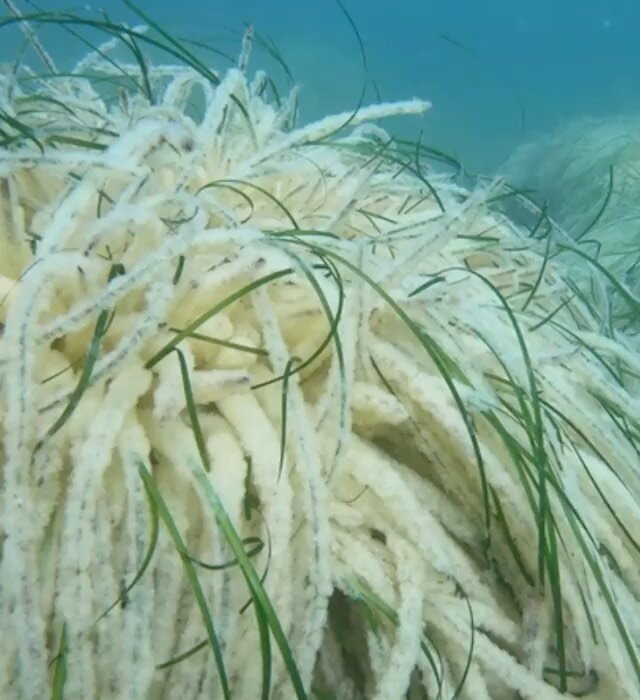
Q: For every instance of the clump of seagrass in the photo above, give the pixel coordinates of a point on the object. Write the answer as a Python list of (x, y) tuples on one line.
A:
[(587, 173), (283, 416)]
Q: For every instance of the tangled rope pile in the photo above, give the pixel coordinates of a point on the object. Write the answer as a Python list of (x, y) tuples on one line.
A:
[(285, 411), (588, 174)]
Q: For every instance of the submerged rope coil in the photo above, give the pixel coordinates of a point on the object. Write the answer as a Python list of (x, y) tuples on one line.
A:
[(219, 323)]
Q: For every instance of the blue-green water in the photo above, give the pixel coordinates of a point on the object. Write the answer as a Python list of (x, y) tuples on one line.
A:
[(497, 71)]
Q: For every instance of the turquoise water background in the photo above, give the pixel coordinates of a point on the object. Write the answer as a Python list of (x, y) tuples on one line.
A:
[(498, 72)]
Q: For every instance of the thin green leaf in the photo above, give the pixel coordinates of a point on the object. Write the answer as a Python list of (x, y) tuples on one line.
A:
[(60, 675), (192, 576)]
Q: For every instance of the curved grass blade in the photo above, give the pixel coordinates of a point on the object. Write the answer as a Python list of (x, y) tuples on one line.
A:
[(101, 328), (372, 602), (363, 53), (23, 130), (225, 185), (500, 516), (460, 591), (438, 357), (179, 270), (153, 541), (265, 650), (192, 576), (541, 271), (334, 320), (172, 47), (603, 206), (619, 287), (268, 45), (187, 57), (266, 193), (424, 178), (432, 153), (266, 616), (261, 352), (227, 301), (265, 573), (257, 548), (182, 657), (60, 675), (547, 548)]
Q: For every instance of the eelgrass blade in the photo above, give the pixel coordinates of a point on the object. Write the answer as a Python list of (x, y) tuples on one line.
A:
[(608, 596), (60, 674), (227, 301), (333, 318), (257, 589), (192, 576), (373, 603), (265, 651), (258, 546), (363, 53), (184, 656), (436, 354), (472, 627), (101, 328), (179, 270), (22, 129), (601, 210), (266, 616), (619, 287), (268, 45), (541, 271), (153, 541), (245, 183), (261, 352), (87, 369), (424, 179)]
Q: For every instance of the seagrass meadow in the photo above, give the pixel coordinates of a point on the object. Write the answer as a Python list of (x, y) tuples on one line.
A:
[(287, 411)]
